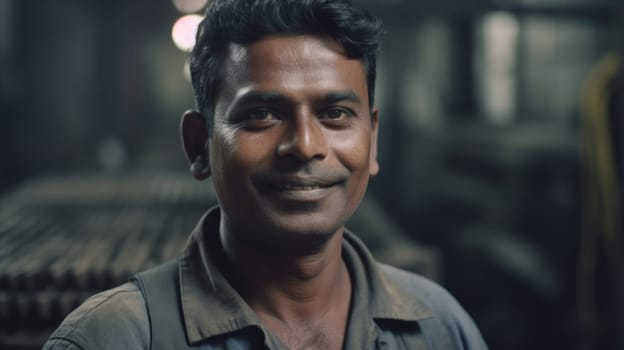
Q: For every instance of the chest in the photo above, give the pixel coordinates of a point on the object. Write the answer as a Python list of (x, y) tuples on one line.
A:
[(384, 340), (325, 336)]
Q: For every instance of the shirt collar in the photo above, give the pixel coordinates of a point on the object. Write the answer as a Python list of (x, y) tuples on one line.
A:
[(211, 306), (374, 293)]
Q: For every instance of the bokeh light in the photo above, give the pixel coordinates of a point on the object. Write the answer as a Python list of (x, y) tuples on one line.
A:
[(184, 30), (189, 6), (187, 71)]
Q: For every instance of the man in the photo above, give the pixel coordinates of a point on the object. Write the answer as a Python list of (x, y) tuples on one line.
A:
[(287, 130)]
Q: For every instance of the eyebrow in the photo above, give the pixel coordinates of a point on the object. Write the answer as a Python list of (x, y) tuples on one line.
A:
[(268, 97), (262, 97), (339, 96)]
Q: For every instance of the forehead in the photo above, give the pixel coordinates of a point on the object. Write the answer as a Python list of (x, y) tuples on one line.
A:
[(292, 64)]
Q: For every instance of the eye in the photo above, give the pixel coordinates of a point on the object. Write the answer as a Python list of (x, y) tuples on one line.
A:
[(334, 114), (337, 117), (258, 118), (260, 115)]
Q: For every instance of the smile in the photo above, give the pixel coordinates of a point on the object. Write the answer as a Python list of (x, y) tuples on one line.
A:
[(297, 189), (298, 194), (289, 187)]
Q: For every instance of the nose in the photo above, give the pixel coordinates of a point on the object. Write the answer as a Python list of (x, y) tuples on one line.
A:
[(304, 139)]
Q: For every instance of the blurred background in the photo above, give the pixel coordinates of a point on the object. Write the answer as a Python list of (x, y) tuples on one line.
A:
[(501, 151)]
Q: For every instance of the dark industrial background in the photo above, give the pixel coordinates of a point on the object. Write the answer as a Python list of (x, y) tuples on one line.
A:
[(501, 151)]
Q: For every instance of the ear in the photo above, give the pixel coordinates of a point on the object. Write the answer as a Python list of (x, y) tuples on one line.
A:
[(373, 164), (195, 143)]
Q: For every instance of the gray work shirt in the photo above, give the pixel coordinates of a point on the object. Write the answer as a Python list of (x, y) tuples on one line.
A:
[(390, 308)]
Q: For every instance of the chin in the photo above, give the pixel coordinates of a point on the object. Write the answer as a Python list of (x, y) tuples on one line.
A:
[(292, 229)]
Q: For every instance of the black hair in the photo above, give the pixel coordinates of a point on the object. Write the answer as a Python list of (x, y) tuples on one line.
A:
[(246, 21)]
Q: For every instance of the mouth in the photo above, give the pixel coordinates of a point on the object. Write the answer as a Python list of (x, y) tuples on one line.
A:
[(298, 189)]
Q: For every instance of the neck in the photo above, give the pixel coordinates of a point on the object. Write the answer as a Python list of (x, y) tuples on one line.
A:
[(289, 283)]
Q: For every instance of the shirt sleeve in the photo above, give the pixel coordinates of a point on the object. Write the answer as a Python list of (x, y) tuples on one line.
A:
[(61, 344), (114, 319)]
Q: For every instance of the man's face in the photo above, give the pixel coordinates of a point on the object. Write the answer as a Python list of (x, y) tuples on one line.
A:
[(294, 141)]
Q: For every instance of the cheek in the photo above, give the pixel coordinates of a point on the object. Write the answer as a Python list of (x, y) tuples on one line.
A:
[(229, 173), (251, 151), (353, 150), (238, 152)]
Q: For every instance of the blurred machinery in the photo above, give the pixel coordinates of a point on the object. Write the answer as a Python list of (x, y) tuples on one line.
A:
[(65, 239), (601, 272)]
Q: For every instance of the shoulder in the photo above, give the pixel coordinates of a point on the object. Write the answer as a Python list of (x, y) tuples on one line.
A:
[(438, 299), (449, 321), (113, 319)]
